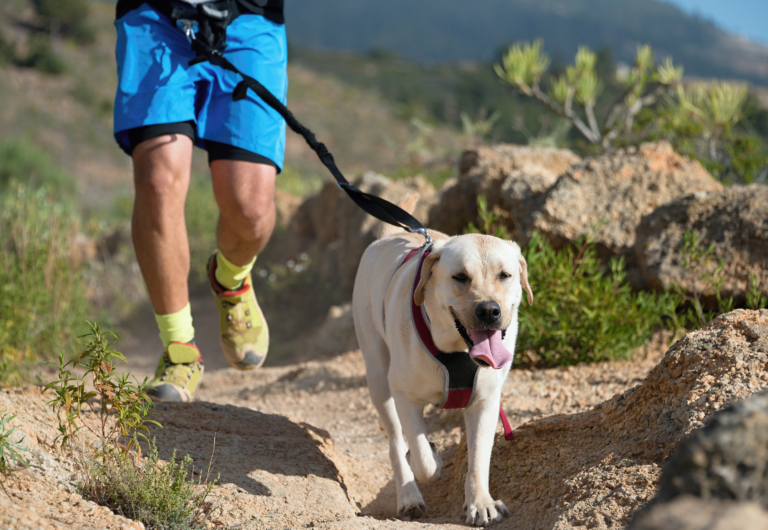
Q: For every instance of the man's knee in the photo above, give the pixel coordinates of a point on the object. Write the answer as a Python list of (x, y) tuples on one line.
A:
[(162, 167), (246, 197)]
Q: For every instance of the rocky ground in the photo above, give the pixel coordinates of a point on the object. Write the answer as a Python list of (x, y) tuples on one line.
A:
[(299, 446), (296, 446)]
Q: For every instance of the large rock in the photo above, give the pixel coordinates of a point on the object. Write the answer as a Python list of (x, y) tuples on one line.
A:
[(692, 513), (608, 196), (511, 177), (596, 468), (335, 232), (725, 461), (735, 220)]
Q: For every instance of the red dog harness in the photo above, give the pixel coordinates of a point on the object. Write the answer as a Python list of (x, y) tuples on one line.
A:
[(460, 370)]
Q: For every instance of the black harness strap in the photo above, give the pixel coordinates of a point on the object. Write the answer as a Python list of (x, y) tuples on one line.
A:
[(209, 42)]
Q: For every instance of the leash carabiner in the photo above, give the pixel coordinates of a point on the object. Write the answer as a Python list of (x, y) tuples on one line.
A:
[(422, 231), (188, 27)]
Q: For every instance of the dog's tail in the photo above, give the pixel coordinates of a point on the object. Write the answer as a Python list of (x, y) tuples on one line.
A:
[(407, 203)]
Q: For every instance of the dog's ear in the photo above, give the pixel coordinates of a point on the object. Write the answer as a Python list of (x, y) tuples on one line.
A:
[(524, 278), (426, 272)]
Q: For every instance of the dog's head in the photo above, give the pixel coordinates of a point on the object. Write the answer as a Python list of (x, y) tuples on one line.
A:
[(472, 286)]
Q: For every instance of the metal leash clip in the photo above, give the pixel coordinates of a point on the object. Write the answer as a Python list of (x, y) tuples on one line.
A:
[(188, 27), (422, 231)]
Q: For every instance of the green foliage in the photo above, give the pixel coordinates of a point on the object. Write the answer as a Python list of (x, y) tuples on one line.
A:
[(112, 470), (705, 122), (21, 159), (42, 56), (158, 494), (42, 296), (124, 406), (201, 214), (67, 18), (755, 297), (489, 221), (703, 276), (10, 452), (583, 314), (524, 64)]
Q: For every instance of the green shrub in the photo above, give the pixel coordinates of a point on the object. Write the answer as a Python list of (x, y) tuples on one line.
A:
[(112, 471), (42, 293), (10, 452), (158, 494), (202, 214), (68, 18), (42, 56), (583, 313), (22, 160)]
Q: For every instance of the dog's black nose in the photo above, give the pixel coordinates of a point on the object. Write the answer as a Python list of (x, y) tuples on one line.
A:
[(488, 312)]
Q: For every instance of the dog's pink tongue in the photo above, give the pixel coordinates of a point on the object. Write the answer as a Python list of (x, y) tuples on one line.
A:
[(488, 347)]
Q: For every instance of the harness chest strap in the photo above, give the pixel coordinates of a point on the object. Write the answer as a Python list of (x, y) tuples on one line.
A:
[(460, 370)]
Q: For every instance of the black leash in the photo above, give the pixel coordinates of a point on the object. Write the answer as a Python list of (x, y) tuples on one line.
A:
[(209, 41)]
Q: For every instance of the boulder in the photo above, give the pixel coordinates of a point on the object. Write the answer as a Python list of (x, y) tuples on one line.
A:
[(597, 467), (511, 177), (719, 473), (335, 232), (608, 195), (727, 458), (735, 220), (692, 513)]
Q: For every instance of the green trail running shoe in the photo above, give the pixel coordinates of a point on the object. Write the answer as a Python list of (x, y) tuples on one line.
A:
[(178, 373), (244, 332)]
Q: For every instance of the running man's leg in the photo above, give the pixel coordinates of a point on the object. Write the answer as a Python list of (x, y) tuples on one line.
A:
[(161, 168), (245, 193)]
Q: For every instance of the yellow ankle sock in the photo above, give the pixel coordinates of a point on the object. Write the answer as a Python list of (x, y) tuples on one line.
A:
[(176, 327), (229, 275)]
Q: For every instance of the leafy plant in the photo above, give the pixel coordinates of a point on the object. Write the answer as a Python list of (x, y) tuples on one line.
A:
[(524, 64), (22, 160), (703, 278), (123, 407), (113, 472), (158, 494), (67, 18), (10, 452), (584, 313), (489, 221), (42, 296), (755, 297)]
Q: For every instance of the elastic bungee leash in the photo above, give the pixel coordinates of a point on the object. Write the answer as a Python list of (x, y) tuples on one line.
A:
[(210, 40)]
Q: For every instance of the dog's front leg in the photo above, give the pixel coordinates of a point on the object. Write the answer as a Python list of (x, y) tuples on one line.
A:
[(424, 460), (481, 419)]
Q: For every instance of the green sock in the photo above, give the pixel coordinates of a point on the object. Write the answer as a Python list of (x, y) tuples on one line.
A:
[(229, 275), (176, 327)]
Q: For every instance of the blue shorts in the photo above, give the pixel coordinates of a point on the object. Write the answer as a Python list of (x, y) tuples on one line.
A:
[(156, 85)]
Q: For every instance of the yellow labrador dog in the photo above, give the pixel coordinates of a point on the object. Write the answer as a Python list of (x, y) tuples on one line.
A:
[(469, 292)]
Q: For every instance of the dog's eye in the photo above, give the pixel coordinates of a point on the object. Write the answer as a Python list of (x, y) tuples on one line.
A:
[(461, 277), (504, 275)]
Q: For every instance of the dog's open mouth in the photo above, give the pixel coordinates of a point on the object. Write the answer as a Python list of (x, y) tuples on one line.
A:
[(485, 345)]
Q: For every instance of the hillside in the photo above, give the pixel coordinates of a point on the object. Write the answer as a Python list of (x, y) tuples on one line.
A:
[(447, 30), (69, 115)]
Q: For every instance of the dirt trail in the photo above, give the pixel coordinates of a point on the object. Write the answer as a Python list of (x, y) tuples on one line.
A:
[(332, 395), (297, 445)]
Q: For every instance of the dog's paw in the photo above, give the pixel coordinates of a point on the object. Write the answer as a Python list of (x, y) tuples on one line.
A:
[(483, 513), (411, 503)]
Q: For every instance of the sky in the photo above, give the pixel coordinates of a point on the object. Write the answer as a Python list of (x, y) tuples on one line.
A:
[(746, 17)]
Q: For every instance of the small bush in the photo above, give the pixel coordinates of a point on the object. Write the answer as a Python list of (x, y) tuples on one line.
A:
[(10, 452), (42, 298), (112, 470), (582, 313), (42, 56), (159, 494), (67, 18), (22, 160)]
